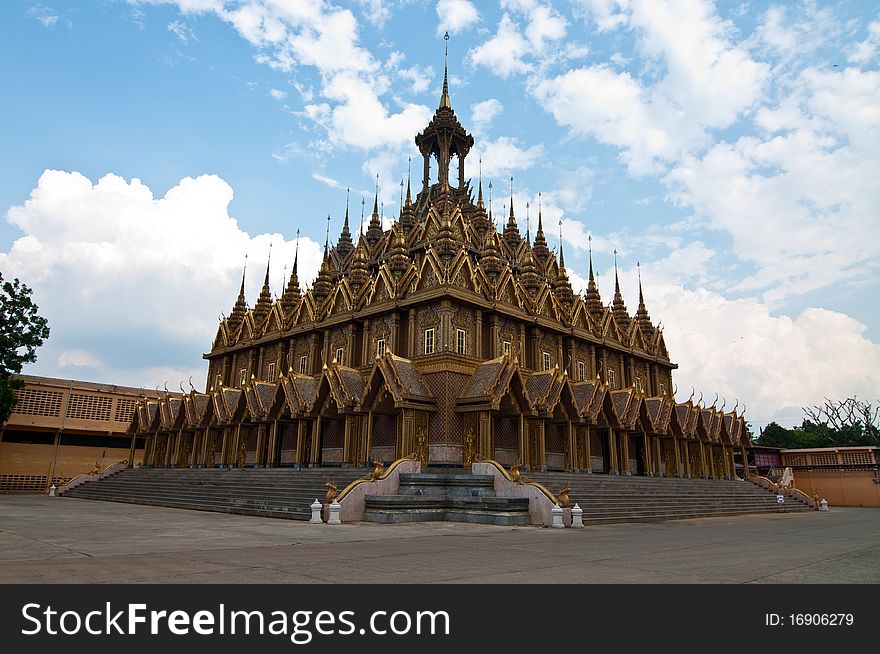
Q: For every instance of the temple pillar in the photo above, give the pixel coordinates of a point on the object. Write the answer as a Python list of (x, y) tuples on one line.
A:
[(484, 438), (649, 466), (368, 439), (351, 438), (612, 453), (315, 453), (272, 454), (704, 469), (523, 441), (587, 453), (624, 454), (261, 438), (478, 334), (687, 459), (747, 472), (571, 447), (194, 450), (131, 448)]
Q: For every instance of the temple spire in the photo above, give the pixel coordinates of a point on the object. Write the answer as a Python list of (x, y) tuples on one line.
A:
[(264, 301), (593, 299), (561, 250), (444, 99), (642, 315), (374, 231), (408, 181), (345, 244), (239, 309), (480, 191), (617, 306), (542, 252), (292, 292)]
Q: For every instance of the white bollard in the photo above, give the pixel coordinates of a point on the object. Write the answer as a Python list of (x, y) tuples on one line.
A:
[(316, 512), (52, 490), (577, 517), (558, 511), (334, 514), (823, 505)]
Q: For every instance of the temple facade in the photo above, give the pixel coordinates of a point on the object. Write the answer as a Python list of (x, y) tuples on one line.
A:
[(445, 337)]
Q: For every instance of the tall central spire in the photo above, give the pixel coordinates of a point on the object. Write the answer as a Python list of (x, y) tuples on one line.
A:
[(444, 99)]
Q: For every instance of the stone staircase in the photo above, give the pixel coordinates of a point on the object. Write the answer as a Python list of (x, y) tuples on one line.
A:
[(608, 499), (266, 492), (453, 495)]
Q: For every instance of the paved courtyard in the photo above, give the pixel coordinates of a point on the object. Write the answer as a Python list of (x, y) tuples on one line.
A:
[(60, 540)]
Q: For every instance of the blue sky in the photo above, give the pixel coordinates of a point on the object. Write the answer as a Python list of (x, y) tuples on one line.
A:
[(730, 148)]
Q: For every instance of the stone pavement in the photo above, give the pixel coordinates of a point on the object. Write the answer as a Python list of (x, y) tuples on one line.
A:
[(64, 540)]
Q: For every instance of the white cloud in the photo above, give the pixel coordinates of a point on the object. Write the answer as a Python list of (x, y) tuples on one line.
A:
[(545, 25), (46, 17), (504, 155), (278, 94), (483, 113), (182, 31), (708, 83), (775, 364), (801, 203), (503, 54), (137, 280), (866, 50), (78, 359), (456, 15)]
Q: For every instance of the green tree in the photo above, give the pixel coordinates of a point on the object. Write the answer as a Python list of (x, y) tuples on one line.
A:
[(22, 331)]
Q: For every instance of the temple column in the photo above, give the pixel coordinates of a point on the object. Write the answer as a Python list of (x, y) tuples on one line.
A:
[(194, 450), (299, 453), (747, 472), (704, 469), (540, 440), (523, 444), (587, 454), (495, 347), (624, 454), (612, 453), (731, 462), (658, 456), (315, 454), (649, 466), (261, 437), (271, 455), (368, 440), (131, 449), (413, 333), (484, 439), (237, 449), (478, 335), (687, 459), (350, 439), (572, 447)]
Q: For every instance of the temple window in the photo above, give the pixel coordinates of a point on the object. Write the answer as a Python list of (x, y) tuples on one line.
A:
[(429, 341), (505, 347), (610, 378), (638, 383), (270, 372), (380, 347), (662, 389), (303, 362), (340, 356), (242, 377), (582, 371), (460, 336), (545, 360), (219, 380)]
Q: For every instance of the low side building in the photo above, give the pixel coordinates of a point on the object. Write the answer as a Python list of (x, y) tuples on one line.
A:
[(63, 428), (845, 476)]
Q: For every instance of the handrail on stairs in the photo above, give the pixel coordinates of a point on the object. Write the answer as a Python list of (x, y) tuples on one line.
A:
[(520, 480), (96, 472), (377, 474), (770, 485)]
